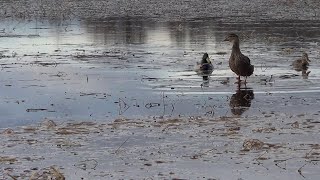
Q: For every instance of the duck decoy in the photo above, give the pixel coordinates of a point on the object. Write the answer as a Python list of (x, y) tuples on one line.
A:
[(205, 66), (301, 63), (239, 63)]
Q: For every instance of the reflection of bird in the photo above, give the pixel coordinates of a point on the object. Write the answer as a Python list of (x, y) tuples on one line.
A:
[(205, 82), (241, 101), (205, 67), (305, 74), (239, 63), (301, 63)]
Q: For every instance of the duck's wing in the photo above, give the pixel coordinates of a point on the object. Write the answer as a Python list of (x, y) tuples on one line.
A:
[(245, 60), (297, 62), (244, 66)]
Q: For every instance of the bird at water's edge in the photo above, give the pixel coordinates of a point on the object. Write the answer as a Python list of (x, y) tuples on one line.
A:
[(239, 63), (205, 63), (302, 63), (205, 66)]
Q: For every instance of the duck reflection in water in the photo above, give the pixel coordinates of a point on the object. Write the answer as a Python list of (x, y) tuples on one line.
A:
[(241, 101), (205, 82), (305, 74)]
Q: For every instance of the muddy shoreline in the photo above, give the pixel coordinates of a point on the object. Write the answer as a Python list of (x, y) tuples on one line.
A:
[(162, 10), (191, 148)]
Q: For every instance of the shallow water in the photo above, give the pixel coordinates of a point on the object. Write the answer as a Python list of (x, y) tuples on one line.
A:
[(134, 68), (155, 116)]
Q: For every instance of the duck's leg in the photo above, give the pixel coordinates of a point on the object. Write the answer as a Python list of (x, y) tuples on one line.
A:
[(238, 80)]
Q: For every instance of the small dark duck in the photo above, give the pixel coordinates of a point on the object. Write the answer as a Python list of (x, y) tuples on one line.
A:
[(301, 63), (239, 63), (205, 66)]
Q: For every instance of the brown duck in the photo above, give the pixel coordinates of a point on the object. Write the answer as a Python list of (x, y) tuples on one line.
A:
[(239, 63), (301, 63)]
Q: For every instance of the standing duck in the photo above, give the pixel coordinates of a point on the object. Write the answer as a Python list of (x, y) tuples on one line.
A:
[(205, 66), (301, 63), (239, 63)]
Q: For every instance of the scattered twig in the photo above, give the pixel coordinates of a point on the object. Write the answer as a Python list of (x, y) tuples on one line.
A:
[(14, 178), (172, 105), (150, 105), (124, 108), (261, 155), (300, 170), (196, 156), (265, 67), (277, 162), (307, 154), (122, 145), (57, 174), (87, 164), (164, 105), (260, 163), (144, 77), (270, 78)]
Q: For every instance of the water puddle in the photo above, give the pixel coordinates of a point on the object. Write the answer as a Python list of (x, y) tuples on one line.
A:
[(87, 70)]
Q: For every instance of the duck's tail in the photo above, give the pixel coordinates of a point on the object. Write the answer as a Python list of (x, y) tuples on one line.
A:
[(251, 69)]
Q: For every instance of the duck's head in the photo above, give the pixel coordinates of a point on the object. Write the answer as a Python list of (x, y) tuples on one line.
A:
[(231, 37), (305, 56), (205, 58)]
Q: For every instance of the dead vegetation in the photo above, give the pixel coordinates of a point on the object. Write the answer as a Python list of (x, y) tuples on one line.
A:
[(82, 141), (47, 173)]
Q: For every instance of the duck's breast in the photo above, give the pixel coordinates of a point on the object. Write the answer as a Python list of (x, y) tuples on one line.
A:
[(233, 65), (244, 66)]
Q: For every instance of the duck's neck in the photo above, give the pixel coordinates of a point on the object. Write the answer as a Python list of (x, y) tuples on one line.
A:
[(235, 46)]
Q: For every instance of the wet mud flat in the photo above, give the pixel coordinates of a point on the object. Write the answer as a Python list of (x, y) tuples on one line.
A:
[(91, 92), (185, 148)]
